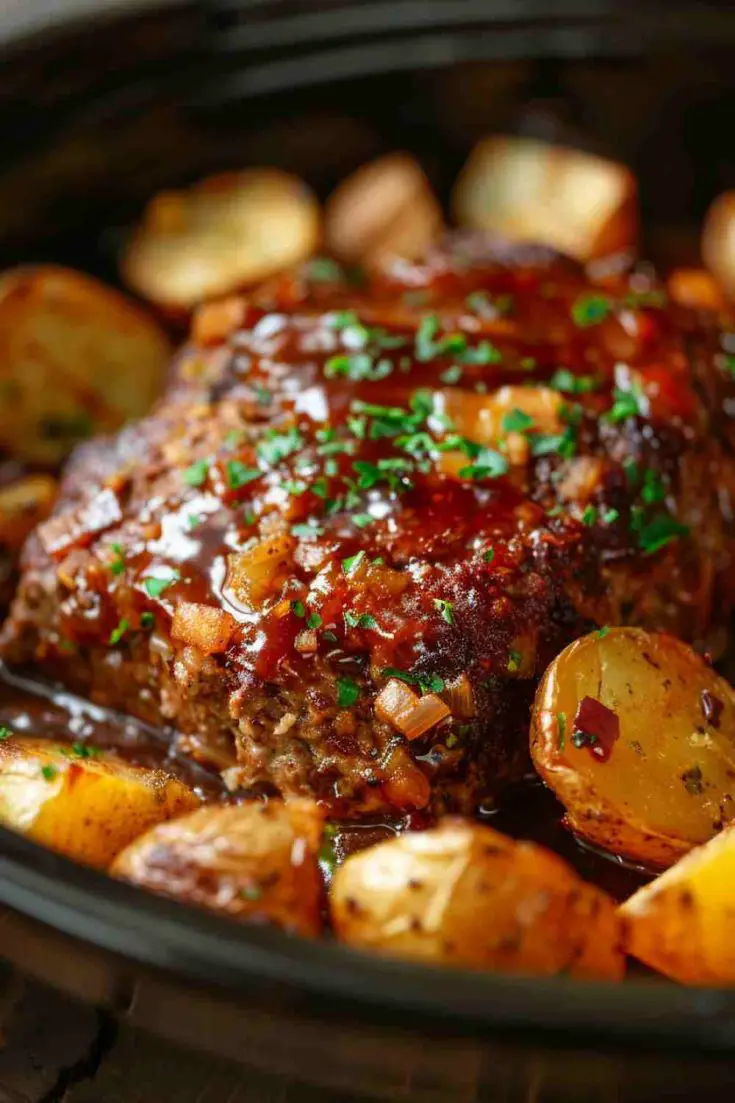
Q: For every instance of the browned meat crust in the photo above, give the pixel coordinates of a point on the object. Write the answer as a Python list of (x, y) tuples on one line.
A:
[(439, 478)]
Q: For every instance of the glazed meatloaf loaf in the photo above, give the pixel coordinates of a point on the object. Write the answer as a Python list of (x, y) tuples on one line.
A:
[(337, 556)]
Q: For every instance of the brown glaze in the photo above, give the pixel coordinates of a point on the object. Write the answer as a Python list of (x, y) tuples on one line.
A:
[(346, 474)]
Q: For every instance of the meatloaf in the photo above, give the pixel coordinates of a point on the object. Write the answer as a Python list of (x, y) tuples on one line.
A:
[(339, 553)]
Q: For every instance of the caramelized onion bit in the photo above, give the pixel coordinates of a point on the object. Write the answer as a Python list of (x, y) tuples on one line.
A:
[(404, 710), (203, 626), (252, 573), (306, 642), (459, 698)]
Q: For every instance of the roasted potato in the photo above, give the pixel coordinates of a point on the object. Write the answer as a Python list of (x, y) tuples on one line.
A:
[(252, 860), (385, 209), (696, 288), (718, 241), (683, 923), (462, 894), (24, 502), (635, 734), (84, 804), (225, 232), (527, 190), (76, 358)]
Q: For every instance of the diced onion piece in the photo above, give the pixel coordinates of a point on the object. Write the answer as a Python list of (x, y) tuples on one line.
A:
[(386, 208), (203, 626), (252, 573), (718, 241), (459, 698), (306, 642), (404, 710), (213, 322), (226, 232), (696, 288), (527, 190)]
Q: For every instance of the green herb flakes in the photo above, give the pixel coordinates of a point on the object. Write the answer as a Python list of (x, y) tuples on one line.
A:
[(155, 586), (117, 633), (196, 474), (5, 733), (347, 692), (561, 730), (238, 475), (590, 310), (49, 772), (351, 564), (117, 566), (659, 532), (445, 608), (517, 421), (298, 608)]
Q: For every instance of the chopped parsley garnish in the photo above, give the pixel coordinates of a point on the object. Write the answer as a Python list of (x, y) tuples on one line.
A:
[(5, 733), (589, 517), (561, 730), (517, 421), (359, 620), (487, 464), (313, 620), (728, 363), (358, 367), (84, 750), (590, 310), (248, 517), (452, 375), (196, 474), (305, 531), (362, 519), (147, 620), (489, 555), (194, 520), (238, 475), (277, 445), (117, 566), (117, 633), (347, 692), (514, 661), (659, 532), (427, 683), (610, 516), (263, 396), (298, 608), (445, 608), (653, 489), (324, 270), (566, 381), (253, 893), (49, 772), (330, 636), (602, 632), (154, 587), (482, 353), (352, 562), (562, 444), (626, 404)]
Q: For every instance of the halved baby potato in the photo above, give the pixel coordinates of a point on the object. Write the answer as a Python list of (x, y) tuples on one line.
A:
[(462, 894), (224, 233), (83, 804), (385, 209), (695, 288), (718, 241), (635, 733), (24, 502), (527, 190), (250, 860), (683, 923), (76, 358)]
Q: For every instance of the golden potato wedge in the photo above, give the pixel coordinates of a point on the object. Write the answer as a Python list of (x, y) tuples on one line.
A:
[(718, 241), (385, 209), (462, 894), (635, 734), (86, 805), (683, 923), (24, 502), (527, 190), (76, 358), (248, 860), (226, 232)]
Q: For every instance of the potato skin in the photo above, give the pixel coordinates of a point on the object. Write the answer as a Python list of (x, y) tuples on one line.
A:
[(669, 782), (683, 923), (88, 808), (76, 357), (463, 894), (249, 861)]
